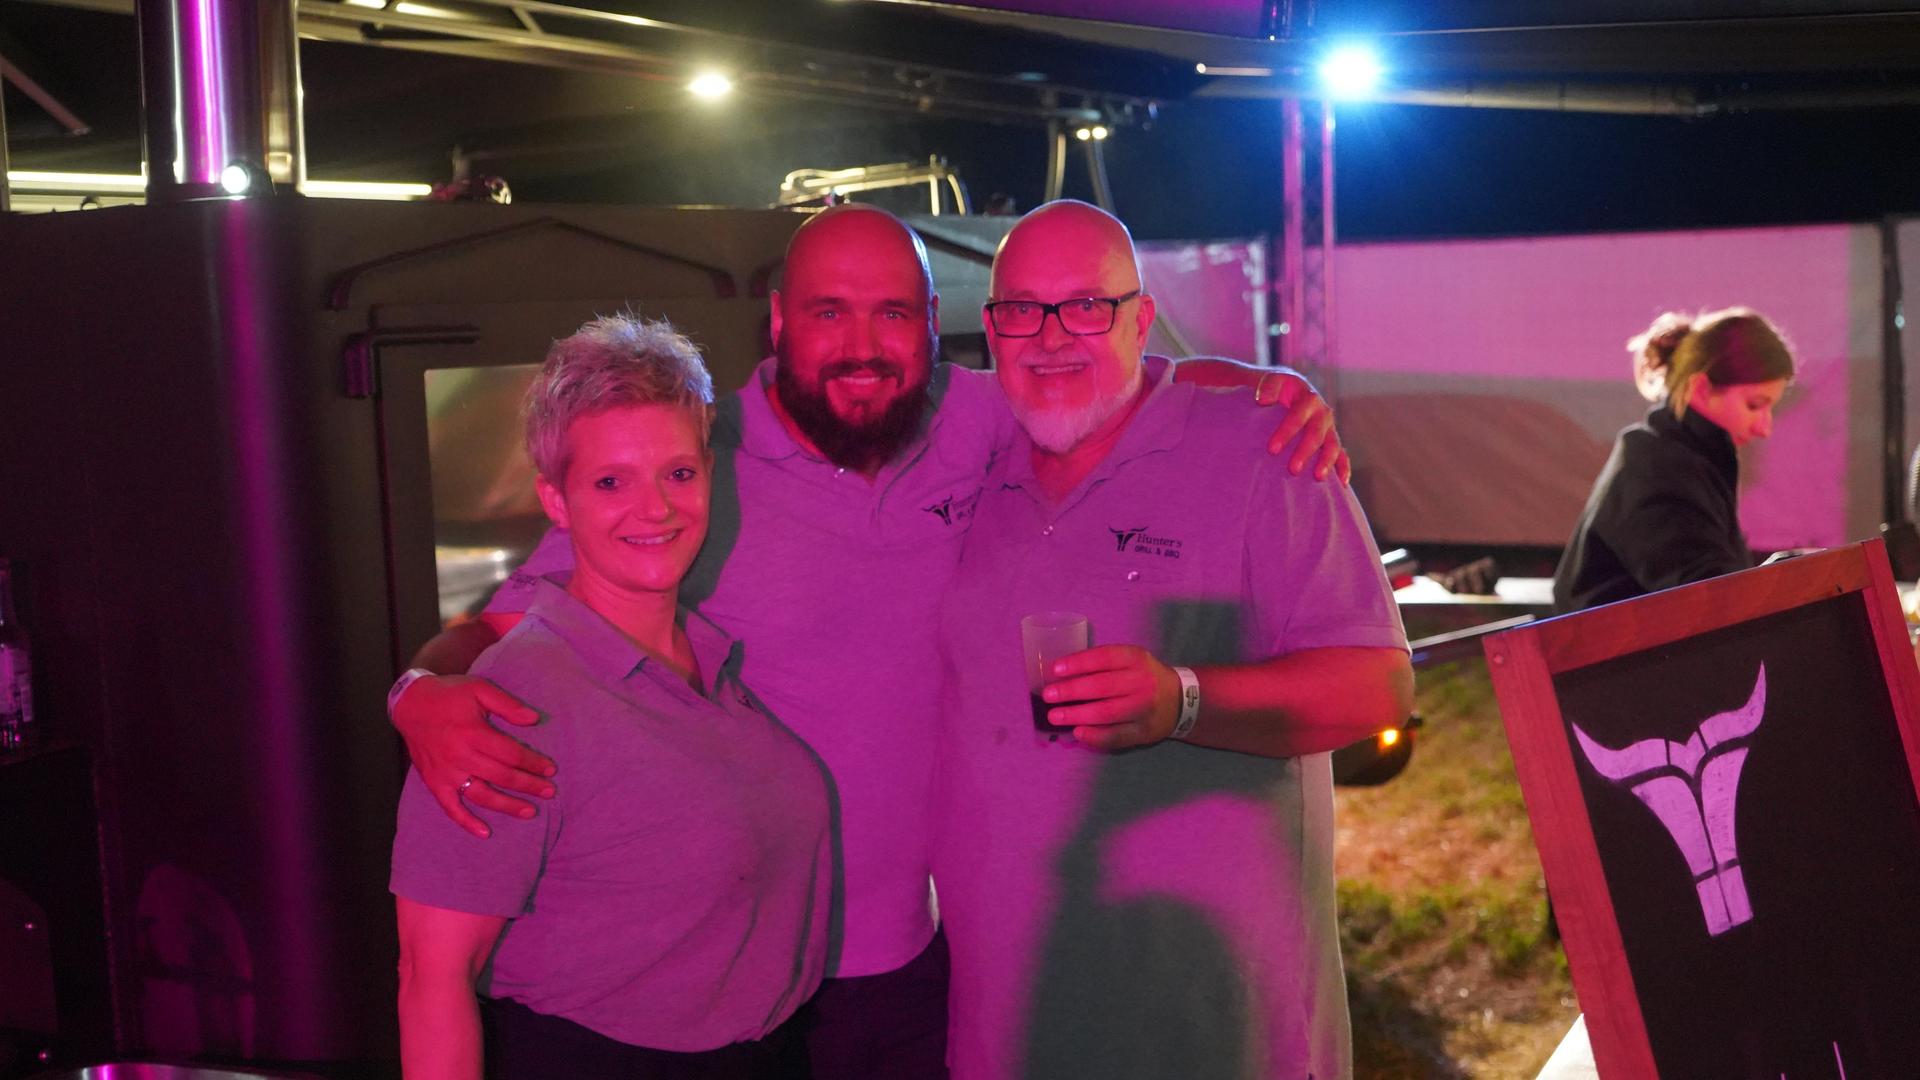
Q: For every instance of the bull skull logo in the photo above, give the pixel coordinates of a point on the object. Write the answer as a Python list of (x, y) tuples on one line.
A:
[(1690, 787)]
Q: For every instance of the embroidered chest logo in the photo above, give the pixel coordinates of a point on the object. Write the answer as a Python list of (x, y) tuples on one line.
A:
[(1140, 542), (951, 509)]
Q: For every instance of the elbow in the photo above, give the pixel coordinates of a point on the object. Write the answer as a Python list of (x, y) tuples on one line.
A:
[(1391, 700), (409, 972), (1399, 689)]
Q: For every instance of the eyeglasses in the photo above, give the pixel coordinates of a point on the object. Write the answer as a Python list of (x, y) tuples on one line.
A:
[(1082, 316)]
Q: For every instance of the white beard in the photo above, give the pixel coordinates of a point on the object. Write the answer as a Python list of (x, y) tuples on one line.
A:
[(1058, 429)]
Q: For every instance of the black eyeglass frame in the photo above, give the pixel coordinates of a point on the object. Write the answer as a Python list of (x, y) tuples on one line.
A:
[(1113, 313)]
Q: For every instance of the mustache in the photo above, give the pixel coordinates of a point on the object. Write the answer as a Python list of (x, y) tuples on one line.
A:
[(882, 368)]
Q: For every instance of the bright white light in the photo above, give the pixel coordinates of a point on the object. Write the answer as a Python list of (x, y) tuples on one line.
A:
[(1100, 131), (364, 189), (1351, 72), (375, 4), (409, 7), (76, 183), (235, 179), (1083, 134), (710, 85), (116, 184)]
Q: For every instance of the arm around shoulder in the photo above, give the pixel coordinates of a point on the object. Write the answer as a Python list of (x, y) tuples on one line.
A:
[(458, 754)]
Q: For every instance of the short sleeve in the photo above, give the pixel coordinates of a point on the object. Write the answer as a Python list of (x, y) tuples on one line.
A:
[(1314, 574), (437, 863), (977, 409), (554, 554)]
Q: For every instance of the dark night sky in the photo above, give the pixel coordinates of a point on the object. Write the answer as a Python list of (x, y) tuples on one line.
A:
[(1413, 171), (1204, 170), (1212, 170)]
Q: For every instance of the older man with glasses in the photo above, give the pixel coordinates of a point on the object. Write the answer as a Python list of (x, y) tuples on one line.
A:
[(1153, 896)]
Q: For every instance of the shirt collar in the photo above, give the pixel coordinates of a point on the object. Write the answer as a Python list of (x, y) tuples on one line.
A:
[(612, 656), (1159, 424), (1705, 436), (763, 434)]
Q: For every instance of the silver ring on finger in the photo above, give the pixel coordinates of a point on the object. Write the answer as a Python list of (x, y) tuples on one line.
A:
[(464, 785)]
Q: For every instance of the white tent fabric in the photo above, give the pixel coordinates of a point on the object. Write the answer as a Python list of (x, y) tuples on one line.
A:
[(1480, 382)]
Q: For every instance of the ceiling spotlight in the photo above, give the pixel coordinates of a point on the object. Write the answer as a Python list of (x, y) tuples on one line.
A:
[(1083, 134), (1100, 131), (710, 85), (1351, 72)]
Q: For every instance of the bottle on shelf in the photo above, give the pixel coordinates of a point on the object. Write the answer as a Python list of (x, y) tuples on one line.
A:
[(16, 672)]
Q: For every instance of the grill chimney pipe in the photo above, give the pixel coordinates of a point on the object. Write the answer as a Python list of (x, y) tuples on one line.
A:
[(220, 86)]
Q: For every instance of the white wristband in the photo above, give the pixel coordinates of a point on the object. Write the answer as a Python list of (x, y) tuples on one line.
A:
[(407, 678), (1189, 703)]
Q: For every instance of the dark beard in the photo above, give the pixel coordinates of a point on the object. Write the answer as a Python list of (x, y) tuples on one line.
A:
[(852, 445)]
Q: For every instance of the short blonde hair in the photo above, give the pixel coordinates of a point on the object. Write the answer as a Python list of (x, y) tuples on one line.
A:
[(614, 360)]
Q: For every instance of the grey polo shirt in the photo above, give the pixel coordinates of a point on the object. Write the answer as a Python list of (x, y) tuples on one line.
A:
[(833, 583), (1169, 910), (675, 893)]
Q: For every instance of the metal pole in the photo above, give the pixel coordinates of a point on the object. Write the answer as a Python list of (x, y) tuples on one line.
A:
[(1291, 273), (1056, 160), (6, 167), (1893, 386), (159, 98), (1327, 368), (1097, 171), (285, 120), (220, 83)]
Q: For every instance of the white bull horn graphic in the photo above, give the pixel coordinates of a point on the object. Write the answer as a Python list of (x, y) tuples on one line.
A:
[(1690, 787)]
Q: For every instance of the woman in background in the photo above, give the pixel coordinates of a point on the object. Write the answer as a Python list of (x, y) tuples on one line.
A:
[(1665, 510)]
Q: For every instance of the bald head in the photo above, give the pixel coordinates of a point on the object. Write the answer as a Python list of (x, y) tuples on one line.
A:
[(852, 232), (1069, 237)]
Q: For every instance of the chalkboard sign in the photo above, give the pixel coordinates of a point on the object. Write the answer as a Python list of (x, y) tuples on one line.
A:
[(1721, 780)]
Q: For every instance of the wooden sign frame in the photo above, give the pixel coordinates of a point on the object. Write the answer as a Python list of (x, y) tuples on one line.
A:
[(1524, 663)]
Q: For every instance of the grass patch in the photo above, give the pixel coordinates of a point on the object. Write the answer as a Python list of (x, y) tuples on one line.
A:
[(1451, 970)]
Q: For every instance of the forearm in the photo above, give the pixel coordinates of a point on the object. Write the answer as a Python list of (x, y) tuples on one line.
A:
[(439, 1027), (1308, 702), (453, 650), (1222, 372), (441, 954)]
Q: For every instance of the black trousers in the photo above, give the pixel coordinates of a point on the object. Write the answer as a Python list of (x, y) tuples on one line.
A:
[(890, 1026), (525, 1045)]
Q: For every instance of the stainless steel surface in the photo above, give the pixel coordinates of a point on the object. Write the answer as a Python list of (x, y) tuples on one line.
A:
[(220, 81)]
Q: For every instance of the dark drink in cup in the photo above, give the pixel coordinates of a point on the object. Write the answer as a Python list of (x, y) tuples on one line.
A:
[(1040, 721), (1044, 638)]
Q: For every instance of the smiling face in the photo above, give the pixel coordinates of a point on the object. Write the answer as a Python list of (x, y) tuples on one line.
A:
[(633, 499), (1743, 410), (854, 326), (1064, 387)]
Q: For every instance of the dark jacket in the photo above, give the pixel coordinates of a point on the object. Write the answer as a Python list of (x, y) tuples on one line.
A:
[(1664, 512)]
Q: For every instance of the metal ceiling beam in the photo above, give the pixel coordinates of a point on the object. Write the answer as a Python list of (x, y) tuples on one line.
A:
[(528, 29), (11, 74), (344, 22)]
